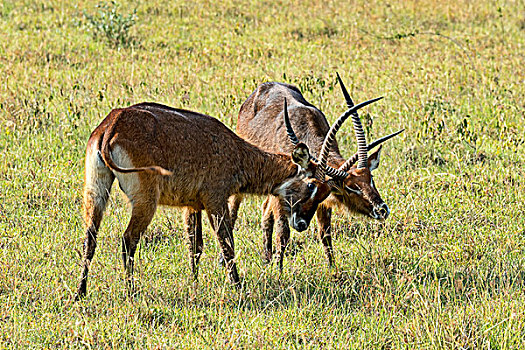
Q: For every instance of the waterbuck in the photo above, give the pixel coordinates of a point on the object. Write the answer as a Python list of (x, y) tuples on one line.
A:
[(262, 122), (162, 155)]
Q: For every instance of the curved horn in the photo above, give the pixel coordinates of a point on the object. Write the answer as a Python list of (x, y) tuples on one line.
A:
[(335, 173), (291, 134), (348, 99), (358, 128), (351, 161), (329, 139), (362, 151), (332, 172)]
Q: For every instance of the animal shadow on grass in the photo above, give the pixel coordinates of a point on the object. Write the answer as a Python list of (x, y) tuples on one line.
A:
[(358, 229), (394, 283)]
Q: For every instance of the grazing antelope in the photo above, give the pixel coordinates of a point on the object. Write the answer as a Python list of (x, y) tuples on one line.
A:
[(352, 187), (162, 155)]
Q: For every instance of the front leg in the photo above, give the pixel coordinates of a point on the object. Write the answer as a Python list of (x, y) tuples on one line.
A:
[(233, 204), (219, 217), (268, 221), (324, 216), (282, 229)]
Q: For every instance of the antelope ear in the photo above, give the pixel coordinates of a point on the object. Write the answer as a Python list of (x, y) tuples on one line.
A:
[(301, 155), (373, 159)]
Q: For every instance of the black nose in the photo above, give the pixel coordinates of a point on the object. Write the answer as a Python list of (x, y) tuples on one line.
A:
[(383, 211), (301, 226)]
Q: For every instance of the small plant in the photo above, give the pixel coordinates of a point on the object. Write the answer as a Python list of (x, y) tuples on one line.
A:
[(437, 112), (112, 26), (465, 131)]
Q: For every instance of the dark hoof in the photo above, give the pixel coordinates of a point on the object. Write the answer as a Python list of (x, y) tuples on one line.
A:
[(266, 257), (81, 292), (221, 261)]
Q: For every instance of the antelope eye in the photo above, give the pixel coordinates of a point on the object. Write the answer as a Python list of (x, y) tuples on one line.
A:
[(311, 187)]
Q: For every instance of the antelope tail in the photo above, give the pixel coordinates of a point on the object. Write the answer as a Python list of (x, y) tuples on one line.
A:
[(104, 153)]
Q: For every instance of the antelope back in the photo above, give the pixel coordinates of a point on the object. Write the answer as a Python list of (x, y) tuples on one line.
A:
[(260, 119)]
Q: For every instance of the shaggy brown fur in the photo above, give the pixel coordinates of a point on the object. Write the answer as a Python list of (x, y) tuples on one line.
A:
[(162, 155)]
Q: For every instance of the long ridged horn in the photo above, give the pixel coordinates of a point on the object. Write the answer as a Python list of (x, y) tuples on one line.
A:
[(332, 172), (358, 128), (362, 156), (348, 99), (351, 161), (335, 173), (330, 137), (289, 130)]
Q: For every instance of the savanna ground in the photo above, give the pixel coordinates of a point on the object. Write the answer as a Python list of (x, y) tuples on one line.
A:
[(446, 270)]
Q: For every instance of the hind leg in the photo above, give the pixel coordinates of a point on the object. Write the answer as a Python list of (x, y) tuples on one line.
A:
[(97, 186), (193, 232), (142, 212)]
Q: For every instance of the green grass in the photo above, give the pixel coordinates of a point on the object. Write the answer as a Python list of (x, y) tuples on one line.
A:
[(446, 270)]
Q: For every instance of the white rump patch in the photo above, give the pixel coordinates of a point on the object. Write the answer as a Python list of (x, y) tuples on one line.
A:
[(129, 182)]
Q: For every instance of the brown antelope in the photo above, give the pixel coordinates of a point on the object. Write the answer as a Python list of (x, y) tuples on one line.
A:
[(162, 155), (352, 187)]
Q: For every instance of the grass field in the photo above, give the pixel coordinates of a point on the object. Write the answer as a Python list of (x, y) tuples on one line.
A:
[(446, 270)]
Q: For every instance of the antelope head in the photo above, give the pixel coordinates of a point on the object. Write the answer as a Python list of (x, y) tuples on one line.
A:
[(300, 195), (353, 185)]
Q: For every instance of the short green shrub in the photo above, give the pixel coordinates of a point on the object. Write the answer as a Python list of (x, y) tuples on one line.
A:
[(110, 25)]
